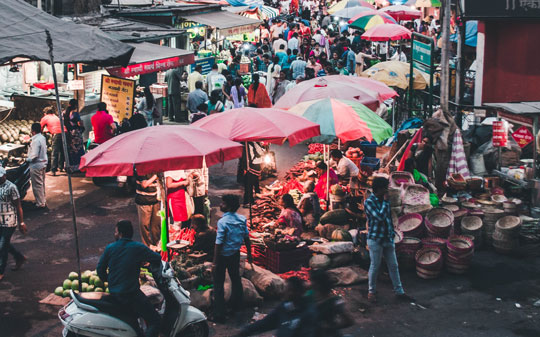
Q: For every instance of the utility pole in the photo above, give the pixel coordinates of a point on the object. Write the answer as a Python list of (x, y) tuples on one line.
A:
[(445, 56)]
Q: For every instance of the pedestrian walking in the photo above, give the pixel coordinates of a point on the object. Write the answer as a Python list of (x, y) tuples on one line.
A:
[(148, 207), (380, 239), (51, 123), (232, 232), (11, 218), (37, 159)]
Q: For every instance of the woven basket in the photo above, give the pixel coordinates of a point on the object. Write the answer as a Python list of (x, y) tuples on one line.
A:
[(429, 262), (508, 224), (410, 244), (411, 224), (459, 245), (400, 178), (471, 224), (475, 183), (394, 196), (439, 222), (457, 182), (398, 237), (414, 195), (420, 209), (477, 212), (470, 205), (439, 243), (498, 198), (448, 200), (451, 208)]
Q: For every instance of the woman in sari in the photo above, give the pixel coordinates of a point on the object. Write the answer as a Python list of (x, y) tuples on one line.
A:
[(257, 94), (178, 199), (290, 216), (320, 188)]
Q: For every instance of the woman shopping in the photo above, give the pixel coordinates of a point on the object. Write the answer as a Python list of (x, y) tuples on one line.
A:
[(179, 202), (146, 106), (75, 128), (257, 94)]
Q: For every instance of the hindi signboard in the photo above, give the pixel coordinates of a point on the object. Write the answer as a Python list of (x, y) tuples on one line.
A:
[(118, 94), (523, 136), (499, 134), (485, 9)]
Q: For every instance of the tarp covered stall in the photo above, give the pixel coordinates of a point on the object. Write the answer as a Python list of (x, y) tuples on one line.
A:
[(227, 23), (22, 34), (148, 58)]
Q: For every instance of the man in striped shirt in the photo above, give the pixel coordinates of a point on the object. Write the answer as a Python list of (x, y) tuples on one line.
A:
[(380, 239)]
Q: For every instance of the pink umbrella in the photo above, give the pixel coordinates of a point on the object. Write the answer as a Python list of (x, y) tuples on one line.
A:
[(255, 125), (386, 33), (384, 91), (158, 149), (400, 12), (339, 87)]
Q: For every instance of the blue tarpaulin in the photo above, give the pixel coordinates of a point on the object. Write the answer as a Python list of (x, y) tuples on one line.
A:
[(250, 3), (471, 34)]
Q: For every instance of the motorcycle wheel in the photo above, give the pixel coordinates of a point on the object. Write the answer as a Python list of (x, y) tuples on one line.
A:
[(195, 330)]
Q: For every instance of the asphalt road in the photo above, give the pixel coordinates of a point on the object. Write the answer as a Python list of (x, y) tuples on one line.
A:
[(495, 298)]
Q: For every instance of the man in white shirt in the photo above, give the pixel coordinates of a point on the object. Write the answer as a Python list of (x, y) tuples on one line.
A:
[(293, 42), (277, 43), (214, 79), (194, 77), (346, 169), (37, 158)]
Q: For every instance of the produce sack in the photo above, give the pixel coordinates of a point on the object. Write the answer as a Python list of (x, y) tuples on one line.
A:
[(319, 261), (345, 276), (267, 283), (325, 231), (251, 296), (337, 217), (201, 300), (333, 248), (340, 260)]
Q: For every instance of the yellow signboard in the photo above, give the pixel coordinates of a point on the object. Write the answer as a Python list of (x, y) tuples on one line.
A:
[(118, 94)]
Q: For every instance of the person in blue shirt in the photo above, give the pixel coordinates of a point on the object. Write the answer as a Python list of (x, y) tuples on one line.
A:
[(232, 233), (380, 239), (120, 265), (349, 57), (282, 55)]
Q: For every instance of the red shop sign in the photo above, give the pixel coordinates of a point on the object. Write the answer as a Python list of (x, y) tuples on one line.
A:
[(152, 66), (523, 136), (499, 134)]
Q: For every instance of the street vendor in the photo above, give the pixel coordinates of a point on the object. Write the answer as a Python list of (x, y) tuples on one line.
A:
[(205, 236), (177, 197), (346, 169), (420, 158), (309, 205), (290, 216), (321, 186)]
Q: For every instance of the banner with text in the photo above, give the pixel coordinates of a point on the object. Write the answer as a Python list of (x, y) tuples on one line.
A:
[(118, 94)]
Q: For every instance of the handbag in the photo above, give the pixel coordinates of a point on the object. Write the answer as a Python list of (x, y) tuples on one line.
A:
[(190, 205)]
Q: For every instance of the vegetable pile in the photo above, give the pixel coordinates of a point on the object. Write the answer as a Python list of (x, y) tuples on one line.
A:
[(354, 152), (315, 147)]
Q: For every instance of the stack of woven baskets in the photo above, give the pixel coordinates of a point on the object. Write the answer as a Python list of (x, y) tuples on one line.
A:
[(472, 226), (411, 225), (429, 262), (460, 253), (406, 252), (439, 222), (491, 216), (506, 234)]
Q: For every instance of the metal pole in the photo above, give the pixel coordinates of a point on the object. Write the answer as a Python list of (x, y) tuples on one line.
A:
[(411, 78), (66, 156), (246, 184), (445, 56)]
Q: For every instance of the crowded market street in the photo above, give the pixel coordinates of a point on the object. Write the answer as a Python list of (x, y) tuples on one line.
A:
[(288, 168), (483, 303)]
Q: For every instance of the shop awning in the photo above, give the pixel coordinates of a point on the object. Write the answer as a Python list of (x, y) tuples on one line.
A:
[(227, 23), (148, 58)]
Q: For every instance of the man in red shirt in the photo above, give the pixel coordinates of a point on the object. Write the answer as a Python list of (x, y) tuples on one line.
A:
[(103, 124), (51, 123)]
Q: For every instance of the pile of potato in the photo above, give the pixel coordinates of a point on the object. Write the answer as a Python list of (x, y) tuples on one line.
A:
[(15, 131)]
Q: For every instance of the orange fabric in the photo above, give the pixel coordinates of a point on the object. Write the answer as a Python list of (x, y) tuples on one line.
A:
[(260, 98)]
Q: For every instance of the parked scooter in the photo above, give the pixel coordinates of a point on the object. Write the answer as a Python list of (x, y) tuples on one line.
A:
[(101, 317)]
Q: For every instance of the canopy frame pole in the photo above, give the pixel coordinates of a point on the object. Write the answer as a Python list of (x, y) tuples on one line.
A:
[(66, 156), (327, 177), (247, 185)]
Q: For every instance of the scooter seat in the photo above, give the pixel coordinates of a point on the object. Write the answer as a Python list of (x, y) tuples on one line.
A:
[(106, 303)]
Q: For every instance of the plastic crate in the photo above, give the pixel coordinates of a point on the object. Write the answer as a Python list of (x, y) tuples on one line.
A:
[(371, 162), (369, 149), (280, 262)]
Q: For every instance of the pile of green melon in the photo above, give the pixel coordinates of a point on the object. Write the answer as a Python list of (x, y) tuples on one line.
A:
[(90, 283), (15, 131)]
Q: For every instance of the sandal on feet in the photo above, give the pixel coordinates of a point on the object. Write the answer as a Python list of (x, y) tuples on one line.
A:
[(19, 263)]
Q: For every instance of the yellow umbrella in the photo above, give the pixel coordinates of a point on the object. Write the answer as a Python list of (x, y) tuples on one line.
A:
[(396, 74)]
